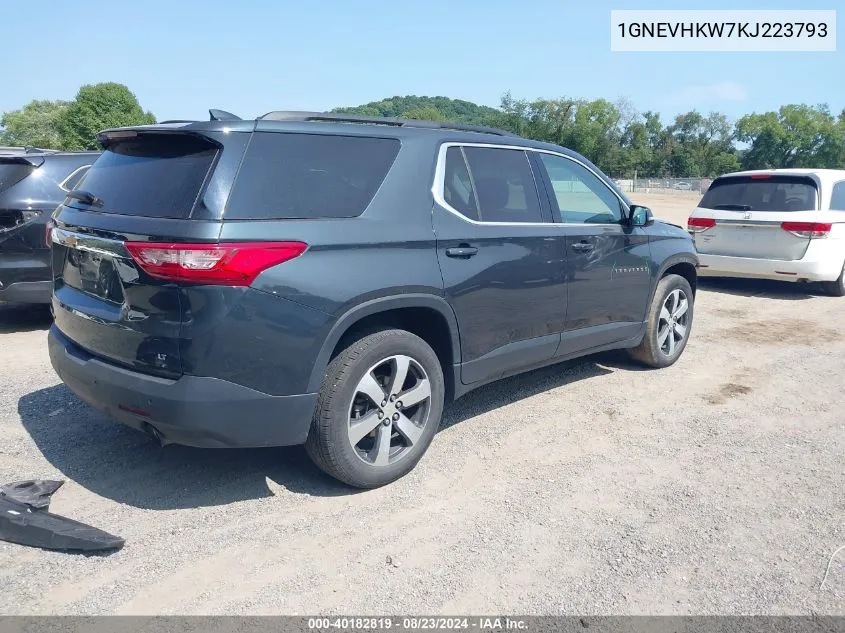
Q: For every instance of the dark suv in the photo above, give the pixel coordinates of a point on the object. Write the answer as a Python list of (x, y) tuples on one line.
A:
[(32, 184), (334, 280)]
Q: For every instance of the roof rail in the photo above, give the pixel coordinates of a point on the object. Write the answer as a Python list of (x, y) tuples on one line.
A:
[(29, 149), (293, 115)]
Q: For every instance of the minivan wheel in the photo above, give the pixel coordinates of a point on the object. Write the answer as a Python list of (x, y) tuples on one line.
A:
[(378, 409), (669, 323), (836, 288)]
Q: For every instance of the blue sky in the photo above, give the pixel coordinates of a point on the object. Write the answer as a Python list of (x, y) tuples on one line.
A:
[(183, 56)]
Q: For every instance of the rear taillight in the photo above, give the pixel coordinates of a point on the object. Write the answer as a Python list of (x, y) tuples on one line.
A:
[(48, 233), (697, 225), (227, 264), (813, 230)]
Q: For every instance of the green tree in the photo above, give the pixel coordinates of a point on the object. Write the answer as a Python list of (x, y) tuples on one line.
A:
[(97, 107), (794, 136), (455, 110), (36, 125), (592, 128), (703, 145)]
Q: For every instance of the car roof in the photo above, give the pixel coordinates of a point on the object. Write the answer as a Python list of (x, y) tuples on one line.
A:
[(823, 177), (338, 122), (441, 131)]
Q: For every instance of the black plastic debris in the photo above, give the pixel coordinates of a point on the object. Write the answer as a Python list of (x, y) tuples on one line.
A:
[(24, 519), (35, 493)]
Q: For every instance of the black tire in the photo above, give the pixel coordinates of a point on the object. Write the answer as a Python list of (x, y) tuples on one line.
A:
[(650, 351), (835, 288), (328, 442)]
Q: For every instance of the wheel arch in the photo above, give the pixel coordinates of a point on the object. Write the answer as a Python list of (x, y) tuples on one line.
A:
[(683, 264), (407, 311)]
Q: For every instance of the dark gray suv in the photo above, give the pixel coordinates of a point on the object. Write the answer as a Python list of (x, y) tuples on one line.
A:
[(32, 184), (332, 281)]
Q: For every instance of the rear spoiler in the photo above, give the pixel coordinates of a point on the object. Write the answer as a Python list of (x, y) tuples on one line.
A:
[(22, 159)]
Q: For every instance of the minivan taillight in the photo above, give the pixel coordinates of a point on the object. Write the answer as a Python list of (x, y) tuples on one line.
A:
[(48, 232), (225, 264), (697, 225), (813, 230)]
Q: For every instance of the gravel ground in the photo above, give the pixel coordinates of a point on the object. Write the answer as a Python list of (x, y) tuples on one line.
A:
[(596, 487)]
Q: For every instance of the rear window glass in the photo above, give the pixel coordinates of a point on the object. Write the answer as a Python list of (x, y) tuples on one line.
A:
[(153, 175), (775, 193), (12, 174), (286, 175)]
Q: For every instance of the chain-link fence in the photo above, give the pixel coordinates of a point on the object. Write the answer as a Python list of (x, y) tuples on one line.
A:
[(664, 185)]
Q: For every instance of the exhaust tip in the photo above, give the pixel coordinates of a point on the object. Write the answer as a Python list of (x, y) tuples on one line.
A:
[(149, 429)]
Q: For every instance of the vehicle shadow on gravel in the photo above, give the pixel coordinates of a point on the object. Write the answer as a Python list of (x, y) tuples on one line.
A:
[(521, 386), (761, 288), (25, 318), (127, 466)]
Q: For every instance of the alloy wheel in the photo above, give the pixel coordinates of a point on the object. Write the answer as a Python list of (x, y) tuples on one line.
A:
[(389, 410), (673, 322)]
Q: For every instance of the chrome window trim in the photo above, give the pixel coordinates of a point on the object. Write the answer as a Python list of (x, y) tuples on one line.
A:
[(71, 175), (438, 186)]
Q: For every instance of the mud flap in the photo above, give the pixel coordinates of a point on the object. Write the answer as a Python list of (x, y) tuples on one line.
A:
[(24, 520)]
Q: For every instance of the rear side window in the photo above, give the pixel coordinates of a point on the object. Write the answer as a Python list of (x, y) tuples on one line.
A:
[(837, 197), (153, 175), (12, 173), (285, 176), (762, 193), (504, 185)]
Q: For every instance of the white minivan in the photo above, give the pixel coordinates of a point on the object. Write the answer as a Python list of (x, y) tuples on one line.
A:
[(786, 224)]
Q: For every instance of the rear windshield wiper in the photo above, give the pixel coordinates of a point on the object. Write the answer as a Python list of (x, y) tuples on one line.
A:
[(85, 196), (733, 207)]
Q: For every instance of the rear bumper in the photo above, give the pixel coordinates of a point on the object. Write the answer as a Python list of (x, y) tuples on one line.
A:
[(193, 410), (25, 277), (821, 262), (26, 292)]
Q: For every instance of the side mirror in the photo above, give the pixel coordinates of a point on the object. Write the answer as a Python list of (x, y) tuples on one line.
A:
[(640, 216)]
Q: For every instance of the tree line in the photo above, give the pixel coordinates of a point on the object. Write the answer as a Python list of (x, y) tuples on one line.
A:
[(622, 141)]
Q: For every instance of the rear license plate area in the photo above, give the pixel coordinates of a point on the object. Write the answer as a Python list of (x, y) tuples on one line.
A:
[(93, 273)]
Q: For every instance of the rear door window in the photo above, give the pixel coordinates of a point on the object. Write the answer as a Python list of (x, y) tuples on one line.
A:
[(761, 193), (504, 185), (153, 175), (289, 175)]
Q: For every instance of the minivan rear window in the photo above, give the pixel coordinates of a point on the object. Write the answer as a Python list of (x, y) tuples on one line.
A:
[(761, 193), (293, 175), (153, 175)]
